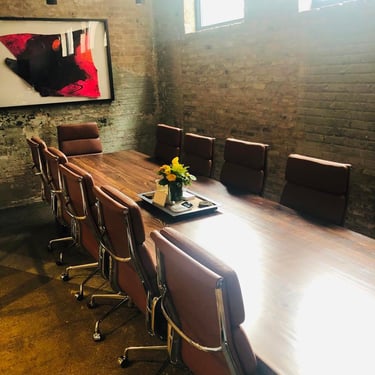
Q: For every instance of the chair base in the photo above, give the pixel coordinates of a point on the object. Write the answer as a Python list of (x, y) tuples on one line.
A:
[(60, 259), (65, 276), (97, 335), (124, 361)]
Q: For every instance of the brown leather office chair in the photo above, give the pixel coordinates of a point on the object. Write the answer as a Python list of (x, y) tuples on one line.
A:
[(79, 139), (245, 165), (168, 143), (133, 265), (202, 302), (316, 187), (37, 145), (80, 206), (54, 158), (198, 154)]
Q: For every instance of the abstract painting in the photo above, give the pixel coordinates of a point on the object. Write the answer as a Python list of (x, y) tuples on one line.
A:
[(54, 61)]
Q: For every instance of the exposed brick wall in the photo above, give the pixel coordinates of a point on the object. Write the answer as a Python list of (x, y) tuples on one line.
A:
[(300, 82), (127, 122)]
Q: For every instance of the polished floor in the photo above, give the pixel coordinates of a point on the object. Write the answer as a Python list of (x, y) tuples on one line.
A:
[(44, 329)]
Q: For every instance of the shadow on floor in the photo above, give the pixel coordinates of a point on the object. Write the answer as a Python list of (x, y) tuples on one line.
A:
[(44, 329)]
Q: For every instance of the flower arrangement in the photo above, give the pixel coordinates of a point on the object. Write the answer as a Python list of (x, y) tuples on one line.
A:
[(175, 176), (175, 173)]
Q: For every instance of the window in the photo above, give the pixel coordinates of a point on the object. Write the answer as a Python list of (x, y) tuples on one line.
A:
[(317, 4), (215, 12)]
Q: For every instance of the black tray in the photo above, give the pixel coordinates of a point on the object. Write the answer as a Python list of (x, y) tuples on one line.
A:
[(194, 198)]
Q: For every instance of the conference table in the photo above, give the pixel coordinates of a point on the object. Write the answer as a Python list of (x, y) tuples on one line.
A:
[(308, 288)]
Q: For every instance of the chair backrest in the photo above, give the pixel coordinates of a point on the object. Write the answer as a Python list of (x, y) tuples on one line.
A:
[(34, 149), (244, 165), (168, 143), (123, 237), (80, 206), (316, 187), (53, 158), (79, 139), (37, 147), (202, 300), (198, 153)]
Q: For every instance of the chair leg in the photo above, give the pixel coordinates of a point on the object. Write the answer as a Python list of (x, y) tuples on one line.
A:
[(65, 275), (79, 295), (152, 309), (60, 259), (97, 335), (124, 361)]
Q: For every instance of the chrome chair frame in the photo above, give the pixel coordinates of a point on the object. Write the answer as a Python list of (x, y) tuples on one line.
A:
[(173, 326), (151, 302), (56, 203), (219, 327), (117, 210), (104, 248), (75, 230), (39, 167)]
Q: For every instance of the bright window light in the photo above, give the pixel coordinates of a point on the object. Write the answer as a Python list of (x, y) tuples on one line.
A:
[(214, 12), (304, 5)]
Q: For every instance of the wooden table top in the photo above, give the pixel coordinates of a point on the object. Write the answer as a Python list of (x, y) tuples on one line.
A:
[(308, 289)]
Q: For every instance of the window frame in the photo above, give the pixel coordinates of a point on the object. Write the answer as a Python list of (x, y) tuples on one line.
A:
[(322, 4), (198, 25)]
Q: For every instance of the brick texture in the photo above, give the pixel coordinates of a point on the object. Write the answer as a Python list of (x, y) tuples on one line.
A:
[(127, 122), (301, 82)]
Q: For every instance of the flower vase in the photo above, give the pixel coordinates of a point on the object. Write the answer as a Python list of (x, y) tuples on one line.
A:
[(174, 192)]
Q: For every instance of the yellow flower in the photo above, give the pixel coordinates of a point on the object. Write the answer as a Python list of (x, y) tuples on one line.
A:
[(166, 169), (175, 172), (171, 177)]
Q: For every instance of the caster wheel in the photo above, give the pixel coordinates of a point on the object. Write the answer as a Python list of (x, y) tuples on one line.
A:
[(79, 296), (123, 361), (64, 277), (91, 304), (97, 336)]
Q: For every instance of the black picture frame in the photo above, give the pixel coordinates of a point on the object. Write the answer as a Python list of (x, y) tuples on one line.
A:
[(50, 61)]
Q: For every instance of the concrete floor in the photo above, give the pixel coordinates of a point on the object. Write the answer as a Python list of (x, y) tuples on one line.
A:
[(44, 329)]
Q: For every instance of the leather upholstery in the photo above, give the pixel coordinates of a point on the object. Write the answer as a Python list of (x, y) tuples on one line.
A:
[(316, 187), (198, 152), (37, 147), (53, 158), (116, 207), (81, 204), (168, 143), (79, 139), (244, 165), (192, 275), (34, 146)]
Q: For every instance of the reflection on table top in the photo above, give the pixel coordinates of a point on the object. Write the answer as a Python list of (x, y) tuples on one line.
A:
[(308, 289)]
